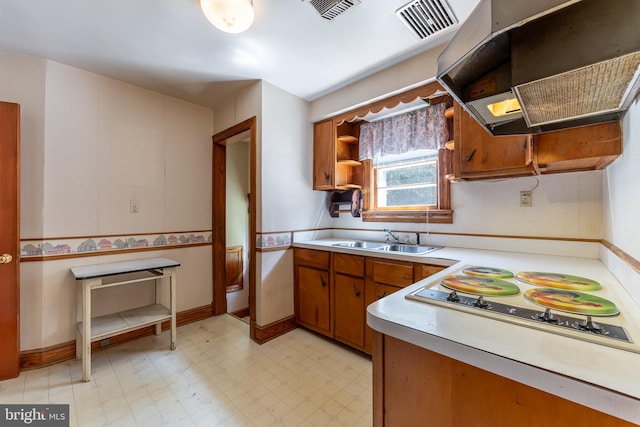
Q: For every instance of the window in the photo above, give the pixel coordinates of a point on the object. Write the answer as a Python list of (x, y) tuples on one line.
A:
[(407, 183)]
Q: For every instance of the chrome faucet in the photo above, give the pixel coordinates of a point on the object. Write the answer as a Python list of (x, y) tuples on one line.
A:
[(390, 234)]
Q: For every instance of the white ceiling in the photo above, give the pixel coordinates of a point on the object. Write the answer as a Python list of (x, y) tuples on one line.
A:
[(168, 45)]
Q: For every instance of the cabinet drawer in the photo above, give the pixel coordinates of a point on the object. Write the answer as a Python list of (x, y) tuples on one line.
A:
[(312, 258), (425, 270), (396, 273), (352, 265)]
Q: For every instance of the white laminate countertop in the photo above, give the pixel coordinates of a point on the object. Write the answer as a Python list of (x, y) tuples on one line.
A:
[(593, 375)]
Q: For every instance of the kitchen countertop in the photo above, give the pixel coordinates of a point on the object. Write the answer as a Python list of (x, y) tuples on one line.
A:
[(593, 375)]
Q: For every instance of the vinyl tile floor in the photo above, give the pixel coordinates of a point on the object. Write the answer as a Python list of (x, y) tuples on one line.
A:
[(216, 376)]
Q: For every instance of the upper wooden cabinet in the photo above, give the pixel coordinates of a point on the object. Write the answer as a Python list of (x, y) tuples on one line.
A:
[(478, 155), (577, 149), (335, 156)]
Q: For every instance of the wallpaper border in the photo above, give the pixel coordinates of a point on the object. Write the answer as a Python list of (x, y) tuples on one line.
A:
[(70, 247)]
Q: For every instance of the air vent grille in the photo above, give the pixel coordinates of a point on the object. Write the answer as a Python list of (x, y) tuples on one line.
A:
[(330, 9), (427, 17)]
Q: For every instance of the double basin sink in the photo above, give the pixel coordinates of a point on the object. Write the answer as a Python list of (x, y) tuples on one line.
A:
[(386, 247)]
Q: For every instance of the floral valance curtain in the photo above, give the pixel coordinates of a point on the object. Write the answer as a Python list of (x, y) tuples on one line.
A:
[(415, 130)]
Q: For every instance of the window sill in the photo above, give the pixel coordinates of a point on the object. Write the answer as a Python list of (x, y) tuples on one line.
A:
[(439, 216)]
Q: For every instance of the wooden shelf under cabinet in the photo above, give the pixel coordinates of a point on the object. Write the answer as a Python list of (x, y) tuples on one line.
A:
[(350, 162), (348, 139)]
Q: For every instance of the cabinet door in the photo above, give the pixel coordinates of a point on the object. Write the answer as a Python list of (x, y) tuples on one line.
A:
[(313, 303), (478, 154), (349, 310), (324, 155), (582, 148)]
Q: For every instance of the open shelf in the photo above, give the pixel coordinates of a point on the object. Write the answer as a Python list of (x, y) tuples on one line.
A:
[(348, 139), (113, 324), (350, 162)]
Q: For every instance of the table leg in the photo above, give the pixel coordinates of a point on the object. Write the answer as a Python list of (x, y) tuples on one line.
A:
[(86, 329), (172, 298)]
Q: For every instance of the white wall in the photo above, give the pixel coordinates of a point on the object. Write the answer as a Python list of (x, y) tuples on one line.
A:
[(110, 143), (398, 78), (622, 189), (89, 145), (288, 203)]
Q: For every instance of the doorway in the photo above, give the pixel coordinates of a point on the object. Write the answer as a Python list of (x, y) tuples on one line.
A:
[(238, 159), (219, 214)]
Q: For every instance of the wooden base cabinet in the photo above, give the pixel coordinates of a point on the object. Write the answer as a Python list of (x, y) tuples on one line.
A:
[(349, 299), (312, 290), (332, 291), (413, 386), (384, 277)]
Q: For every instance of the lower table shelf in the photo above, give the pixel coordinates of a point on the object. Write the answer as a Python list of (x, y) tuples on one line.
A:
[(113, 324)]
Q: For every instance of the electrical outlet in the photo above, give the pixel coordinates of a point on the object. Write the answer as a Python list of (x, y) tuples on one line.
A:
[(526, 199), (134, 207)]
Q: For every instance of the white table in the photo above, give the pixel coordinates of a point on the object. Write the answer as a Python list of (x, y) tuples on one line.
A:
[(100, 276)]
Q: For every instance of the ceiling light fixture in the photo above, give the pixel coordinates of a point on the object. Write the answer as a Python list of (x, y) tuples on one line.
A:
[(231, 16)]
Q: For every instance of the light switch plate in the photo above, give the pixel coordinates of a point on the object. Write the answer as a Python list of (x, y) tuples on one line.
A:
[(134, 207)]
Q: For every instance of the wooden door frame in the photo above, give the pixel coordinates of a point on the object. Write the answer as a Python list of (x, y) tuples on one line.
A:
[(219, 216), (10, 240)]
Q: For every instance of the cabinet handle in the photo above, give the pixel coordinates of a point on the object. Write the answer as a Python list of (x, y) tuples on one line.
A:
[(383, 294), (524, 146), (356, 291), (326, 176), (322, 282), (470, 156)]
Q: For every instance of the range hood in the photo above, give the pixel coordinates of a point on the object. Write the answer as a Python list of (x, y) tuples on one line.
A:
[(568, 63)]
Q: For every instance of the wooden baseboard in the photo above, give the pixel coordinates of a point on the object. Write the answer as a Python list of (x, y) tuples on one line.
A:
[(241, 313), (262, 334), (39, 358)]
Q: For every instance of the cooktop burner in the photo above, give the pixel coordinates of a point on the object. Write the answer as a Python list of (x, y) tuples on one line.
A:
[(571, 301), (563, 311), (560, 281), (496, 273), (480, 285)]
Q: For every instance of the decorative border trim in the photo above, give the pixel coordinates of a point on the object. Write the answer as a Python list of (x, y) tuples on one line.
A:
[(39, 358), (274, 240), (262, 334), (71, 247)]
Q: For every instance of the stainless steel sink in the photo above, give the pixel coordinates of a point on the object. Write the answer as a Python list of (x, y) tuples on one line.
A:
[(409, 249), (386, 247), (360, 244)]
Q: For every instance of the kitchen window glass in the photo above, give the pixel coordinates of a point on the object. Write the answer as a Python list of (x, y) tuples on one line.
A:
[(407, 181)]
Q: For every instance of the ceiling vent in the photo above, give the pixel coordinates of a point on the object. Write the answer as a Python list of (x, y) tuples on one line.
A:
[(330, 9), (427, 17)]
